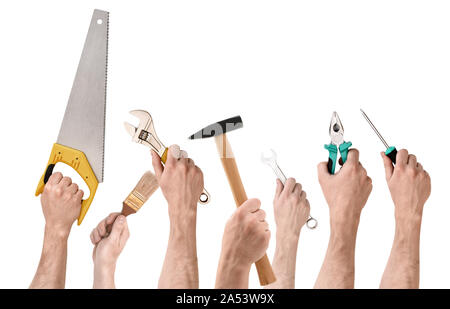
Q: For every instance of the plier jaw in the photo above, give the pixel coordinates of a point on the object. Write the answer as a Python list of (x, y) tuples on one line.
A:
[(337, 144)]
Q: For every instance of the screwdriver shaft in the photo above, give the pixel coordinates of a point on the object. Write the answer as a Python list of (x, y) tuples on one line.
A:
[(374, 129)]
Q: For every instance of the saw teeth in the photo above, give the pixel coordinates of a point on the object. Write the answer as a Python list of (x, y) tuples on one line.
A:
[(106, 89)]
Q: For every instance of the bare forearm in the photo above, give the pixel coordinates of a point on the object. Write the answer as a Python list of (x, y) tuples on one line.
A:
[(180, 269), (338, 268), (231, 274), (403, 267), (284, 262), (104, 277), (51, 272)]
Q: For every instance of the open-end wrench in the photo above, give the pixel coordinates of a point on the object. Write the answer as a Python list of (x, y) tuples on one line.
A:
[(145, 134), (271, 160)]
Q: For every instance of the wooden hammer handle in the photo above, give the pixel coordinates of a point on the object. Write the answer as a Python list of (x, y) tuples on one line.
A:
[(265, 272)]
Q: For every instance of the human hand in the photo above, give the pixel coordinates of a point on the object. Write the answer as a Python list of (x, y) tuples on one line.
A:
[(347, 191), (246, 236), (291, 209), (61, 203), (409, 184), (181, 182), (109, 239)]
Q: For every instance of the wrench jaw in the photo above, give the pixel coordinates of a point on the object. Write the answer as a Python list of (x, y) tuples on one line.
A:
[(131, 130), (145, 133), (269, 157)]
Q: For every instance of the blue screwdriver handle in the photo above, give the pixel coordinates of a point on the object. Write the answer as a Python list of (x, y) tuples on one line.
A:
[(391, 152)]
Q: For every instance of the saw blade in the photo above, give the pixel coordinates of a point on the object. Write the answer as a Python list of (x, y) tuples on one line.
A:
[(83, 126)]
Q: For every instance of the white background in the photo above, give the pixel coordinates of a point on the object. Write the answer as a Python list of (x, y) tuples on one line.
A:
[(284, 66)]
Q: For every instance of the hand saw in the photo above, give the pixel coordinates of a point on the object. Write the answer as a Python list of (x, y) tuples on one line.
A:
[(81, 138)]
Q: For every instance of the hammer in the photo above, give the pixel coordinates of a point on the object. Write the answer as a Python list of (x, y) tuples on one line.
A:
[(218, 130)]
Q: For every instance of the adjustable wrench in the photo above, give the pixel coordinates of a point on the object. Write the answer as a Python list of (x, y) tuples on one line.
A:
[(145, 134)]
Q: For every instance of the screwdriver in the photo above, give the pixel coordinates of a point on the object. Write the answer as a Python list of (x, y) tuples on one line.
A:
[(391, 151)]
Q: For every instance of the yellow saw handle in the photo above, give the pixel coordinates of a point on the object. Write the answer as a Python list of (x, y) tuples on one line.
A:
[(78, 161)]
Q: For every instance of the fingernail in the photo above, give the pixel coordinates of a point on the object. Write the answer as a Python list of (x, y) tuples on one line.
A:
[(121, 219)]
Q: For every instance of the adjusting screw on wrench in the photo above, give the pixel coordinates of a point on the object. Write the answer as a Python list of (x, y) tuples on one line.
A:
[(270, 158)]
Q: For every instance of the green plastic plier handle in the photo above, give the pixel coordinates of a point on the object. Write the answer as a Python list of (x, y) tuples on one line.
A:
[(333, 155)]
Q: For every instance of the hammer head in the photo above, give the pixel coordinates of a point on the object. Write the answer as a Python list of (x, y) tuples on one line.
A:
[(219, 128)]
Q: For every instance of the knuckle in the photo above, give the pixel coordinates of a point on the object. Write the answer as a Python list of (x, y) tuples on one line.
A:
[(412, 171), (263, 213), (240, 215), (355, 151), (307, 206), (49, 188), (303, 195), (352, 168), (58, 190), (251, 223), (183, 167), (198, 171), (295, 198), (67, 196)]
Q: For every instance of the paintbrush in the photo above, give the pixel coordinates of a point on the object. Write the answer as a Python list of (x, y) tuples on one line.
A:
[(146, 186)]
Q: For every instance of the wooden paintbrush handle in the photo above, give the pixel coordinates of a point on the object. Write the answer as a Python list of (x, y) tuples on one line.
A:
[(146, 186), (265, 271)]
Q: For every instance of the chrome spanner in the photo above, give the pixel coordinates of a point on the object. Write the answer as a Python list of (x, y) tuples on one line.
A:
[(271, 160)]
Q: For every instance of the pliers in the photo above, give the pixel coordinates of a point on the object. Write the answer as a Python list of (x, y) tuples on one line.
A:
[(336, 132)]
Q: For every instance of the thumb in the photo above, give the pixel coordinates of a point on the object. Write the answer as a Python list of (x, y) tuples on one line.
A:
[(250, 205), (322, 170), (388, 167), (118, 227), (157, 165), (279, 187)]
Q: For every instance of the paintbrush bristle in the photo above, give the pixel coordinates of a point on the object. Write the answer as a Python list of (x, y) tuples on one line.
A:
[(146, 186)]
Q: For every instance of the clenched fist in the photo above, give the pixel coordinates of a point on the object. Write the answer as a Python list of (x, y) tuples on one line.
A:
[(108, 246), (291, 212), (291, 208), (348, 190), (245, 240), (109, 239), (61, 203), (409, 184), (181, 182), (346, 193), (246, 236)]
